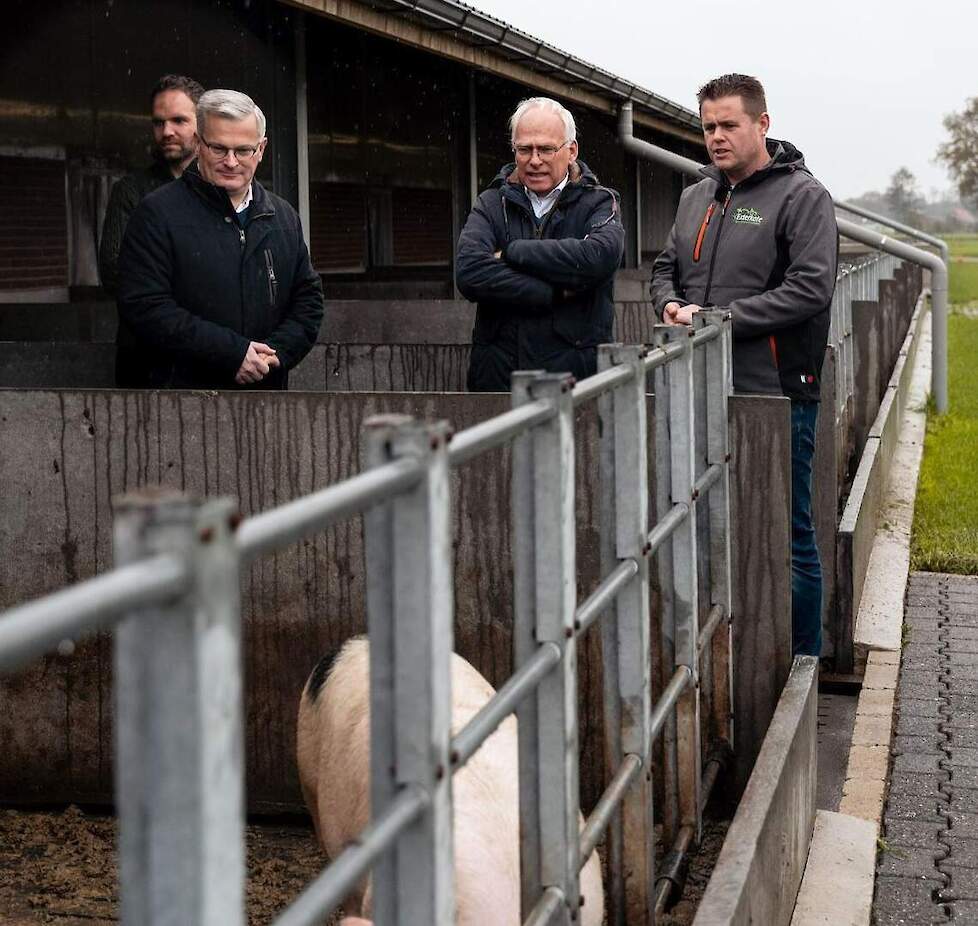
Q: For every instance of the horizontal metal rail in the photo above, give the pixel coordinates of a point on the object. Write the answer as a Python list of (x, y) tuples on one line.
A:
[(331, 887), (677, 685), (497, 431), (604, 594), (288, 523), (518, 686), (717, 614), (933, 240), (663, 530), (709, 333), (33, 629), (706, 481), (658, 356), (550, 902), (607, 804), (600, 383)]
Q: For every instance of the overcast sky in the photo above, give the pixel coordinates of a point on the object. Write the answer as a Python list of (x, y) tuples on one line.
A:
[(860, 86)]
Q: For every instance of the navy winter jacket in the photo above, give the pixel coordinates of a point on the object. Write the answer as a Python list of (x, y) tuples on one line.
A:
[(548, 302), (196, 287)]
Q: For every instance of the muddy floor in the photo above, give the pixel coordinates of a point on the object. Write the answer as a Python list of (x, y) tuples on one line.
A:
[(59, 867)]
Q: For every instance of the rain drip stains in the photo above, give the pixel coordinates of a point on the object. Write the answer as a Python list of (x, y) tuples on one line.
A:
[(69, 545)]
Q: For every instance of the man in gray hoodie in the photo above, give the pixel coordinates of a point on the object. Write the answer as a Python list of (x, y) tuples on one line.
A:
[(757, 237)]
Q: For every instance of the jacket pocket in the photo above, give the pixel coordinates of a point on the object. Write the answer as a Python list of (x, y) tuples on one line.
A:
[(272, 281)]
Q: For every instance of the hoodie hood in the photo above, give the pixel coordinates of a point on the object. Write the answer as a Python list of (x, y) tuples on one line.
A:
[(784, 157), (578, 172)]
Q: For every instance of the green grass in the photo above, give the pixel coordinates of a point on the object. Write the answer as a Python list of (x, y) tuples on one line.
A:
[(963, 283), (945, 529), (962, 245)]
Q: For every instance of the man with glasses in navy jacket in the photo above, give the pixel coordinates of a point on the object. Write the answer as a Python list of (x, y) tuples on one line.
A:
[(216, 289), (538, 253)]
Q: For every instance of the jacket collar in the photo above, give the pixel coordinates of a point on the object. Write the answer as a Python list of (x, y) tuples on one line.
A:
[(784, 158), (218, 199), (579, 179)]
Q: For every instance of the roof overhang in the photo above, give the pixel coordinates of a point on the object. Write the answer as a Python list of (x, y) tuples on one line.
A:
[(460, 33)]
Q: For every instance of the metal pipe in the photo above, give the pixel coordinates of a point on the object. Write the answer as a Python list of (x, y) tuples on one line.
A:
[(659, 356), (608, 803), (33, 629), (278, 527), (332, 886), (932, 262), (604, 594), (496, 431), (706, 334), (671, 879), (938, 243), (550, 902), (710, 475), (677, 685), (600, 383), (519, 685), (717, 614), (665, 527)]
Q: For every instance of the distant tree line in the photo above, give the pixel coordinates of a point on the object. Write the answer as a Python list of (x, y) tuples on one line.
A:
[(902, 200)]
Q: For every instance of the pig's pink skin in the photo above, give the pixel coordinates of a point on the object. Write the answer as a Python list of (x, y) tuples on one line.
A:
[(333, 755)]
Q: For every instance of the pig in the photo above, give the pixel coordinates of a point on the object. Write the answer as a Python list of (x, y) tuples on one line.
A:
[(333, 751)]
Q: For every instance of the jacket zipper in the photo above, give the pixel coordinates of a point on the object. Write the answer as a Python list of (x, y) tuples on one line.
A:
[(716, 247), (272, 282), (241, 277)]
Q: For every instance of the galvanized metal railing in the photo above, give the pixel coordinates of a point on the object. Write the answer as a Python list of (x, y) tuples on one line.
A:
[(174, 601), (857, 280)]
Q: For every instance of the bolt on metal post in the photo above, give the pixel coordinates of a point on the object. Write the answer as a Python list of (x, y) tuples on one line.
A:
[(544, 604), (178, 721), (625, 633), (410, 612)]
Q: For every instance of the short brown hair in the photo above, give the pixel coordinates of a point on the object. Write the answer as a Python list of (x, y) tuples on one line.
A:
[(177, 82), (748, 88)]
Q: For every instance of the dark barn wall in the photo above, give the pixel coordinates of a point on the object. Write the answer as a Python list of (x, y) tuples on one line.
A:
[(75, 80)]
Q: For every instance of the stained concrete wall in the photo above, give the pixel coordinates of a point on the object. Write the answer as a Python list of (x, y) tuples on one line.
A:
[(68, 453)]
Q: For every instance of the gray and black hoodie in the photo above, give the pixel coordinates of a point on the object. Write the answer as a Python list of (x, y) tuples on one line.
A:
[(767, 250)]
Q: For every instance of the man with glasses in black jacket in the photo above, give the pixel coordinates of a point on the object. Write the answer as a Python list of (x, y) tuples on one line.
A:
[(538, 253), (216, 289)]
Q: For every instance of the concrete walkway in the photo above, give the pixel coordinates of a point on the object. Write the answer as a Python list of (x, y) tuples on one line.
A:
[(927, 869)]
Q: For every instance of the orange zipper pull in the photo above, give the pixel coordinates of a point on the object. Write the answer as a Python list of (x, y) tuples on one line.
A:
[(698, 248)]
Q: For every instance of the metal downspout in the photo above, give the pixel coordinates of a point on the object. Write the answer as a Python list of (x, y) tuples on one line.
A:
[(938, 243), (932, 262)]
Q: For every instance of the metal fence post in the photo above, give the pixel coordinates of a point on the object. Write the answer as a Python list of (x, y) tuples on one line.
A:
[(719, 385), (545, 600), (408, 544), (178, 719), (625, 634), (675, 382)]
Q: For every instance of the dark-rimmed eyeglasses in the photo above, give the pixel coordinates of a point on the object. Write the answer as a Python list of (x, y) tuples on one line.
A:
[(242, 153), (544, 152)]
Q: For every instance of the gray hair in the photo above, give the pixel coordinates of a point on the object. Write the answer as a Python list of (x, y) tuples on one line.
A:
[(229, 104), (544, 102)]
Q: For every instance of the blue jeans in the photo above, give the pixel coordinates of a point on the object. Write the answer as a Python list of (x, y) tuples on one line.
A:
[(806, 568)]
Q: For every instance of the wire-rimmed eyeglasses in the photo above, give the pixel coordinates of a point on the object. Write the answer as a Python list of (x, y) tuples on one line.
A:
[(544, 152)]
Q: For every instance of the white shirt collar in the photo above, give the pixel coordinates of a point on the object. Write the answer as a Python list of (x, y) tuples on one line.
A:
[(246, 202), (543, 204)]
